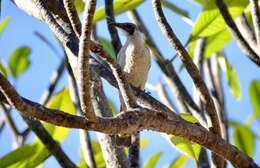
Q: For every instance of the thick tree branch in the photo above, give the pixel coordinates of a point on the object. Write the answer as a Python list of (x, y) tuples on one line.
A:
[(128, 123), (83, 66), (192, 70), (236, 33), (256, 18)]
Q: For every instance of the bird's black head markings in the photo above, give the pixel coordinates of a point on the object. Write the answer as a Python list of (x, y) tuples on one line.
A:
[(128, 27)]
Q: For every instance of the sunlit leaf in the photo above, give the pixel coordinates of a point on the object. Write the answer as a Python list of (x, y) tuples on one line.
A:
[(120, 6), (254, 92), (189, 117), (108, 47), (231, 76), (98, 154), (18, 155), (185, 146), (179, 162), (214, 43), (60, 101), (202, 2), (112, 107), (82, 164), (244, 139), (210, 20), (79, 4), (151, 163), (3, 69), (4, 23), (19, 61), (144, 143)]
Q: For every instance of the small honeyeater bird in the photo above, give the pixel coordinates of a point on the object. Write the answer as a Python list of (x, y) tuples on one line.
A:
[(134, 59)]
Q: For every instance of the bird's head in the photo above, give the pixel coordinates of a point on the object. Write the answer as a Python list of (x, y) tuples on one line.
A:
[(128, 28)]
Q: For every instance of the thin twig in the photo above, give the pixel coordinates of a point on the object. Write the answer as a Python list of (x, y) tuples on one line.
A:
[(112, 30), (129, 123), (256, 18), (246, 31), (236, 33), (2, 124), (163, 94), (83, 66), (56, 75), (54, 148), (192, 70), (10, 122), (73, 16)]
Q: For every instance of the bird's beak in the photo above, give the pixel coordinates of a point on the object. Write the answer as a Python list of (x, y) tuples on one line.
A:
[(118, 25)]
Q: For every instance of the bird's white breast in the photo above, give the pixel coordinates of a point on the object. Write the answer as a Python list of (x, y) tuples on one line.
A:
[(135, 60)]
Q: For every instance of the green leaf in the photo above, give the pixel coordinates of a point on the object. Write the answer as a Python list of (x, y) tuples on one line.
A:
[(120, 6), (215, 43), (79, 4), (3, 69), (175, 9), (202, 2), (179, 162), (108, 47), (36, 153), (19, 61), (254, 92), (185, 146), (210, 20), (18, 155), (189, 117), (112, 107), (4, 23), (98, 154), (244, 139), (144, 143), (60, 101), (151, 163), (82, 164), (231, 76)]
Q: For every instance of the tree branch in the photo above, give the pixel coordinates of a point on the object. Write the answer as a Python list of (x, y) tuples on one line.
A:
[(256, 18), (56, 75), (236, 33), (83, 67), (191, 68), (73, 16), (54, 148), (109, 9), (85, 140), (128, 123), (246, 31), (114, 156)]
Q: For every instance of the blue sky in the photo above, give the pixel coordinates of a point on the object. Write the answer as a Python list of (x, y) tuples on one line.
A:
[(20, 32)]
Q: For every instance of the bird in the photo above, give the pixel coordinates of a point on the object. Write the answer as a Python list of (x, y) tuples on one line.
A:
[(134, 58)]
